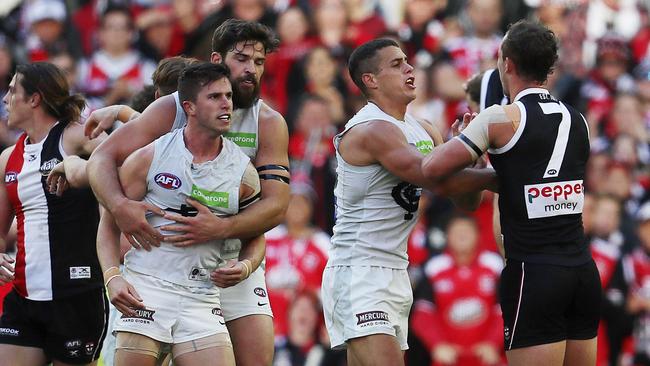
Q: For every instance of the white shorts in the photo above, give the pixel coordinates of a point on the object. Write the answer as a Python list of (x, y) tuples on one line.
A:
[(248, 297), (174, 313), (360, 301)]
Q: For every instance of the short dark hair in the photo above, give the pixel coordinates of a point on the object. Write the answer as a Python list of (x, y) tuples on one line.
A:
[(362, 60), (141, 100), (50, 82), (165, 78), (532, 48), (232, 31), (473, 87), (196, 76), (116, 8)]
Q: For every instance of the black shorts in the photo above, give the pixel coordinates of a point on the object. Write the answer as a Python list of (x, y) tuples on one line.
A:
[(69, 330), (544, 303)]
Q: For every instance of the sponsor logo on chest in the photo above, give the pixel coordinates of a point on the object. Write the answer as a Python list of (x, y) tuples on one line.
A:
[(209, 198), (554, 199), (167, 181), (79, 272), (242, 139)]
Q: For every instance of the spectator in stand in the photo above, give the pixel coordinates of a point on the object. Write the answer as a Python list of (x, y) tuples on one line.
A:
[(477, 49), (457, 315), (365, 23), (642, 76), (157, 29), (296, 254), (67, 63), (608, 78), (320, 76), (311, 153), (7, 136), (331, 21), (428, 105), (421, 30), (632, 280), (295, 42), (47, 30), (302, 345), (115, 72)]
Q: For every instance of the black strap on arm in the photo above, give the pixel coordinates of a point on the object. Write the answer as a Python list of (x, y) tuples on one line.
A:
[(272, 167), (243, 204), (281, 178)]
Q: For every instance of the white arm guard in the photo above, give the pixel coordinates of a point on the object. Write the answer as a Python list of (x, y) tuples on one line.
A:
[(475, 135)]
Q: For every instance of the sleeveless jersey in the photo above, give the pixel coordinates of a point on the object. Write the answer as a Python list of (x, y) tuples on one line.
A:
[(375, 210), (244, 133), (541, 172), (171, 179), (491, 90), (56, 255)]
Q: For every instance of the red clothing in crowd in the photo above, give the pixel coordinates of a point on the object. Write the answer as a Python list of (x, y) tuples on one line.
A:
[(465, 309), (292, 265)]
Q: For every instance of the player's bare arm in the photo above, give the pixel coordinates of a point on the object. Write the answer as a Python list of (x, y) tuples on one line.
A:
[(6, 217), (381, 142), (263, 215), (102, 170), (102, 119), (492, 128), (468, 201), (71, 172), (133, 175), (253, 250)]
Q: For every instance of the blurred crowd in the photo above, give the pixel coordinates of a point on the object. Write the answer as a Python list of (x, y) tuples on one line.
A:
[(109, 49)]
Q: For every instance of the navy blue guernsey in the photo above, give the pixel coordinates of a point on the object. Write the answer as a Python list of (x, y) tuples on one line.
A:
[(57, 255), (541, 172), (491, 90)]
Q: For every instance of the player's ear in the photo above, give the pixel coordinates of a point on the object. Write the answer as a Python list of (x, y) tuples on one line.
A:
[(369, 80), (35, 100), (215, 58), (189, 108)]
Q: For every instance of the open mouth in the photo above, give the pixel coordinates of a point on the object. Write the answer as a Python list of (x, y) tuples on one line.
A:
[(224, 117), (411, 82)]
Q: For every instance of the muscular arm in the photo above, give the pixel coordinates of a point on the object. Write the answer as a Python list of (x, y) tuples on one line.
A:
[(269, 211), (156, 120)]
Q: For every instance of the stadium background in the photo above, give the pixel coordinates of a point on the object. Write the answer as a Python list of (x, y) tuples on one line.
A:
[(603, 70)]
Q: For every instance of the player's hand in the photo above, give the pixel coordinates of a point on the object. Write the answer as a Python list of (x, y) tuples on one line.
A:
[(6, 268), (130, 218), (101, 120), (229, 275), (56, 181), (124, 296), (203, 227), (445, 354), (458, 126), (487, 353)]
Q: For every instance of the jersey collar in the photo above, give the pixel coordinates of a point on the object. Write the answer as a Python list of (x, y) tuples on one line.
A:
[(525, 92)]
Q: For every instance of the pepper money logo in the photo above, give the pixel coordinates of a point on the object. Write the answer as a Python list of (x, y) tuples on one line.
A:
[(554, 199)]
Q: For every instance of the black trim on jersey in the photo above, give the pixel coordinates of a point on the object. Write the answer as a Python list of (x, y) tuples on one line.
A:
[(72, 223), (281, 178), (185, 210), (272, 167), (469, 143), (243, 204)]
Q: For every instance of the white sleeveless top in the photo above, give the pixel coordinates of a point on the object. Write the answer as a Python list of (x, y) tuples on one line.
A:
[(171, 179), (244, 133), (375, 210)]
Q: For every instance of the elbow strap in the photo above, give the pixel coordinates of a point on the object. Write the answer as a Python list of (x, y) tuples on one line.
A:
[(243, 204), (281, 178), (272, 167)]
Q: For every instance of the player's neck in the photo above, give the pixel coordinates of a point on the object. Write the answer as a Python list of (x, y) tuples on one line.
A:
[(518, 85), (38, 127), (203, 145), (393, 109)]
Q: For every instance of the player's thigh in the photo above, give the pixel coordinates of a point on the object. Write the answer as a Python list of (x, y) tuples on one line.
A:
[(580, 352), (136, 349), (550, 354), (12, 355), (218, 355), (252, 339), (375, 350)]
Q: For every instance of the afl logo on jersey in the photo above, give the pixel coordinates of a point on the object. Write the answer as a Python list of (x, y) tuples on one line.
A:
[(167, 181), (10, 177), (47, 166)]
